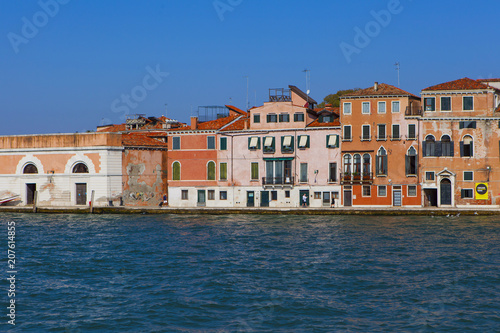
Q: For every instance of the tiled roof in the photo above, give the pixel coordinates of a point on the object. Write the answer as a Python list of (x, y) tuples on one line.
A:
[(382, 90), (334, 110), (238, 125), (210, 125), (488, 80), (235, 109), (461, 84), (112, 128), (138, 139), (316, 123)]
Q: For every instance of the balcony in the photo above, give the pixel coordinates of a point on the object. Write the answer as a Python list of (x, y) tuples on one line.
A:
[(289, 181), (356, 178), (413, 110)]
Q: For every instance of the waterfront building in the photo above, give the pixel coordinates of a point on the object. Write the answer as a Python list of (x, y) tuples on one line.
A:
[(460, 143), (380, 147)]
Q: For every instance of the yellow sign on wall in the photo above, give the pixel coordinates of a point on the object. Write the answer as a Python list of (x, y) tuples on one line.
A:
[(481, 191)]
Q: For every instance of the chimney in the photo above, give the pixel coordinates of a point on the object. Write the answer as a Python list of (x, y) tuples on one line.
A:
[(245, 123), (375, 86), (194, 123)]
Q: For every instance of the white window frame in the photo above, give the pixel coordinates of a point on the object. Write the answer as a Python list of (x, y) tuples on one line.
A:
[(392, 106), (463, 103), (343, 133), (378, 132), (433, 176), (399, 132), (363, 107), (363, 132), (441, 103), (379, 109), (350, 108), (408, 133), (408, 191), (378, 191), (472, 191), (363, 191)]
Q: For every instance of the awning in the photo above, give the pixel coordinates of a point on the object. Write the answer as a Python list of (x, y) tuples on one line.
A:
[(268, 142), (287, 141), (332, 141), (254, 141), (278, 158), (303, 141)]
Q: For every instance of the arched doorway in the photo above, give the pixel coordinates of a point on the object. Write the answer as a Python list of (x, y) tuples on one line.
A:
[(445, 189)]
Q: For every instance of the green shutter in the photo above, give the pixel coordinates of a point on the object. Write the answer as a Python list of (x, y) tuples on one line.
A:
[(223, 143), (327, 140), (223, 171), (176, 172), (211, 171)]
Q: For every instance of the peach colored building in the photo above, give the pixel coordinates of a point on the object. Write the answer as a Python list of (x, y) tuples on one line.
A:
[(460, 143), (380, 147)]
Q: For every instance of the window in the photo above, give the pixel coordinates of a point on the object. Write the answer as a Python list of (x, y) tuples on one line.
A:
[(395, 106), (356, 163), (430, 104), (429, 146), (317, 195), (381, 107), (211, 170), (176, 143), (467, 147), (446, 146), (395, 132), (269, 144), (303, 141), (332, 173), (382, 191), (272, 118), (381, 162), (467, 193), (278, 172), (412, 190), (366, 165), (176, 171), (367, 191), (467, 124), (253, 143), (365, 130), (223, 144), (347, 108), (303, 172), (184, 194), (468, 175), (325, 119), (381, 132), (468, 102), (80, 168), (256, 118), (412, 131), (254, 171), (445, 103), (347, 133), (326, 199), (332, 141), (411, 162), (299, 116), (274, 195), (223, 195), (287, 144), (211, 195), (347, 164), (284, 118), (223, 171), (366, 108), (429, 175), (30, 168), (210, 142), (287, 194)]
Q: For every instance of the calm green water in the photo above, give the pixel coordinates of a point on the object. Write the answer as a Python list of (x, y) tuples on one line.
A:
[(234, 273)]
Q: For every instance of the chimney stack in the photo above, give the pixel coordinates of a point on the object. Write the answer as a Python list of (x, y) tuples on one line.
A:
[(194, 123), (375, 86)]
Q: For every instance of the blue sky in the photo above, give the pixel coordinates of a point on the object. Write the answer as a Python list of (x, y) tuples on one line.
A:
[(70, 73)]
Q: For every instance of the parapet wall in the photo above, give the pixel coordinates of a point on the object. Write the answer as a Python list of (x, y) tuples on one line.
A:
[(60, 140)]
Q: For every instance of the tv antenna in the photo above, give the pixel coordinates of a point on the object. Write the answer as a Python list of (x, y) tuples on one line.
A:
[(308, 81), (397, 68), (247, 106)]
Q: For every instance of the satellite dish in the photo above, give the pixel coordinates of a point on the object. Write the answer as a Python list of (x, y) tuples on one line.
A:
[(308, 91)]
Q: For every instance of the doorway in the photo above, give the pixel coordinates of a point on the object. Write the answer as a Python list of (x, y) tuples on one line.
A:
[(301, 195), (347, 198), (250, 199), (396, 197), (30, 193), (202, 199), (264, 198), (81, 193), (445, 188), (430, 197)]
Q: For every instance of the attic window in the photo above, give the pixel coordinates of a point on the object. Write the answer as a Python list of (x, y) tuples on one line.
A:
[(325, 119)]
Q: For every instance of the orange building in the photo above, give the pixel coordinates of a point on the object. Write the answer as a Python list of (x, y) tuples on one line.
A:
[(460, 143), (380, 147)]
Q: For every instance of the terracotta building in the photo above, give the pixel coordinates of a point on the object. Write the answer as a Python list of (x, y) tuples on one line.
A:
[(460, 143), (380, 147)]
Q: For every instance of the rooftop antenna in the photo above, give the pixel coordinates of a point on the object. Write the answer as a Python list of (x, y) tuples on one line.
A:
[(308, 81), (166, 110), (397, 68), (247, 106)]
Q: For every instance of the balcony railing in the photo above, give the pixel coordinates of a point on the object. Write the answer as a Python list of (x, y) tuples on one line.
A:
[(413, 110), (359, 178), (395, 138), (278, 181)]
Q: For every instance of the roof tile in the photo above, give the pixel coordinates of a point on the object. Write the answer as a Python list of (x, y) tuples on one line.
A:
[(461, 84)]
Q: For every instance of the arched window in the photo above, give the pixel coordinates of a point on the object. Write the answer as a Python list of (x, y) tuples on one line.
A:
[(30, 168), (366, 164), (446, 146), (467, 146), (176, 171), (411, 162), (357, 164), (80, 168), (347, 164), (211, 170), (429, 146), (381, 162)]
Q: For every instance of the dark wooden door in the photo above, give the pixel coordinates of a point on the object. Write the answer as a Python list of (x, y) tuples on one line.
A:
[(264, 198), (445, 192), (81, 194), (250, 198), (347, 198)]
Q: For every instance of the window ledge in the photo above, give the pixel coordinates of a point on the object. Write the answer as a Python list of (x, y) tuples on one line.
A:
[(413, 176)]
